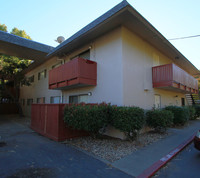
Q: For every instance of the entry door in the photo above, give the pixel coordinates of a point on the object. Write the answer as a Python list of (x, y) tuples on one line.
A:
[(157, 101)]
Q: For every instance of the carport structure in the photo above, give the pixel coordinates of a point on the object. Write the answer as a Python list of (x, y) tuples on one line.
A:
[(24, 48)]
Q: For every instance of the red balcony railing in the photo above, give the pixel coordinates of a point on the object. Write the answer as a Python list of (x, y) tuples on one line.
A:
[(78, 72), (172, 77)]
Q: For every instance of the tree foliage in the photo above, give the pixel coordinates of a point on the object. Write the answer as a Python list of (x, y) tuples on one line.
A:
[(11, 68), (22, 33), (3, 27)]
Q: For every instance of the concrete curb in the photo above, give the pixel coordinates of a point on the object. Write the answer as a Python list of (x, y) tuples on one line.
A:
[(160, 163)]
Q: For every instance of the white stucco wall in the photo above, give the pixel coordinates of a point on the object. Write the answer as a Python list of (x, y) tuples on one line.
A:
[(39, 88), (107, 52)]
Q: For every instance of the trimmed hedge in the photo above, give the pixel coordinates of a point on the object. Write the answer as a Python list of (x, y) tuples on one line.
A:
[(95, 117), (192, 112), (181, 114), (128, 119), (90, 118), (197, 111), (159, 119)]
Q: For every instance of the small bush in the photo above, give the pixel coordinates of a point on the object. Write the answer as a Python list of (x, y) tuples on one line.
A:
[(128, 119), (192, 111), (197, 111), (90, 118), (181, 114), (159, 119)]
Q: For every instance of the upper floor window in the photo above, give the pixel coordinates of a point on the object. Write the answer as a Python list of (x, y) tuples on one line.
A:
[(56, 65), (31, 79), (42, 74), (84, 55)]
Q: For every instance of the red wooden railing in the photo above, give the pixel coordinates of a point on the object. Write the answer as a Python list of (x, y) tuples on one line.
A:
[(77, 72), (170, 75), (47, 119)]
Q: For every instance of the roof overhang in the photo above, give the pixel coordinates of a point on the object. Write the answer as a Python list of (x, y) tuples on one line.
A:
[(17, 46), (124, 15)]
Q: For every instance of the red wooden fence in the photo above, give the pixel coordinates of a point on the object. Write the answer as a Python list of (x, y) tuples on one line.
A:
[(47, 119)]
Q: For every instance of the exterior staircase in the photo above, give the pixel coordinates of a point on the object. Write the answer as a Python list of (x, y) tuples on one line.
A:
[(192, 99)]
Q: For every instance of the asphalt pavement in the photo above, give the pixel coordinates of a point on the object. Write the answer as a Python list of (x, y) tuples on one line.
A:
[(24, 153), (184, 165)]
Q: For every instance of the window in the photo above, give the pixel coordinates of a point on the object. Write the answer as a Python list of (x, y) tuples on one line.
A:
[(84, 55), (182, 101), (42, 74), (55, 99), (41, 100), (73, 99), (78, 99), (29, 102), (56, 65), (31, 79)]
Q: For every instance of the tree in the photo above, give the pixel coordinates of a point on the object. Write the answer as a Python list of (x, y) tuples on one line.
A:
[(3, 27), (22, 33), (11, 68)]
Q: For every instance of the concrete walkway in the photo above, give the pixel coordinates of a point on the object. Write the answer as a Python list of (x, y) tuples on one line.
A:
[(135, 163), (24, 153)]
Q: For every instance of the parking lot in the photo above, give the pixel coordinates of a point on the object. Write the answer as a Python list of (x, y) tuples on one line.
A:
[(24, 153)]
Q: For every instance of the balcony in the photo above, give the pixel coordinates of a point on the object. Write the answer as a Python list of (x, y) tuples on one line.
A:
[(171, 77), (76, 73)]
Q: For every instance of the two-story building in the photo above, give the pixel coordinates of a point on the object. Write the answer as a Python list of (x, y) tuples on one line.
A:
[(119, 58)]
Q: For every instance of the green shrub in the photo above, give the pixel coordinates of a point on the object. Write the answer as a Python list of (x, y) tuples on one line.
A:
[(128, 119), (197, 111), (192, 112), (181, 114), (159, 119), (90, 118)]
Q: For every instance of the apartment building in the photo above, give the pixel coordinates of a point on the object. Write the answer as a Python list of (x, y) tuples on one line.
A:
[(119, 58)]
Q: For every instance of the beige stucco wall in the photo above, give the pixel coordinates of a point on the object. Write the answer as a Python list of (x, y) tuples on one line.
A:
[(124, 73), (138, 59)]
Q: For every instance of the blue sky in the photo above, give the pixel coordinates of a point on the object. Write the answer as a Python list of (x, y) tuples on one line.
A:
[(45, 20)]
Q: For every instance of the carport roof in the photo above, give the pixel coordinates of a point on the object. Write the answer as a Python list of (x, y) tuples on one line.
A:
[(21, 47)]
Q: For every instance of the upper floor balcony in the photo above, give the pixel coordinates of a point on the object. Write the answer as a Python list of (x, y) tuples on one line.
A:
[(78, 72), (172, 77)]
